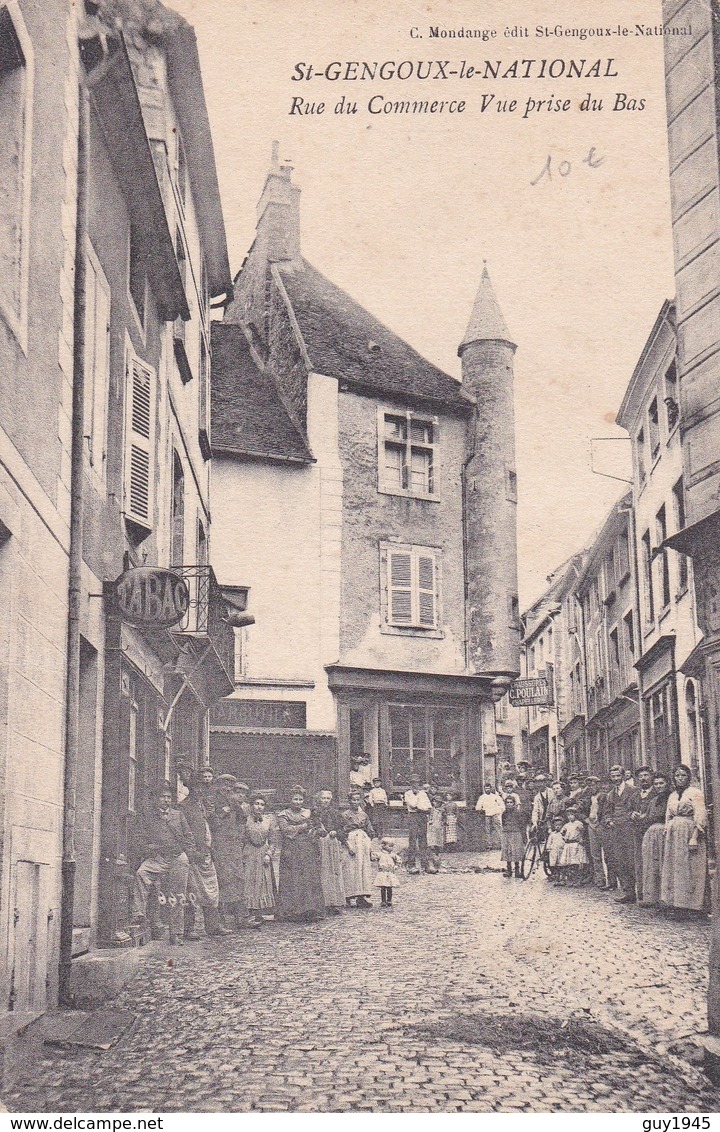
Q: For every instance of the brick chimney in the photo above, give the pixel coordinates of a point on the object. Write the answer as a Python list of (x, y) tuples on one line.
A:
[(278, 213)]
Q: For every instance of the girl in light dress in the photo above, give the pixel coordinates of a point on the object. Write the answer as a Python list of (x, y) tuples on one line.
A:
[(554, 848), (573, 858), (386, 877)]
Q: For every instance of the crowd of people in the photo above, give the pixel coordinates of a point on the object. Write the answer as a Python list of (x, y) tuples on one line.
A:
[(219, 860), (641, 835), (215, 858)]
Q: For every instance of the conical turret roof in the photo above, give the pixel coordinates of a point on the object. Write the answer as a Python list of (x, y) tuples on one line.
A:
[(486, 321)]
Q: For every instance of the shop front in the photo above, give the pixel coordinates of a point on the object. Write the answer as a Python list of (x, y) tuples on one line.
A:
[(160, 681)]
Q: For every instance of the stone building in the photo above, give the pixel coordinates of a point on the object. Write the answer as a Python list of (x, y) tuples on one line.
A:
[(551, 633), (368, 502), (606, 595), (155, 256), (692, 81), (668, 668), (38, 161)]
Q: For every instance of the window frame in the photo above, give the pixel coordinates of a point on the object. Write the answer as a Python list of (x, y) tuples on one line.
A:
[(385, 486), (95, 429), (412, 628), (17, 317), (148, 444)]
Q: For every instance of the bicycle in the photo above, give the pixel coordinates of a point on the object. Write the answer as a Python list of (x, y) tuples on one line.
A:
[(535, 852)]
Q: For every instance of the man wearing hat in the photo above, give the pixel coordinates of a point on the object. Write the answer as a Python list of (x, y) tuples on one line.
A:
[(167, 846), (203, 881)]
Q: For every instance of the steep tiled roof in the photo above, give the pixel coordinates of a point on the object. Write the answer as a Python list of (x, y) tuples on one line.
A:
[(248, 416), (345, 341)]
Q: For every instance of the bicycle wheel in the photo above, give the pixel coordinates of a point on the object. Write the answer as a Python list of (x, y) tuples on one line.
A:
[(529, 858)]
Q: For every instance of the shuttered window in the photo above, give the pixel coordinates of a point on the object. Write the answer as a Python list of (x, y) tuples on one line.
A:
[(139, 442), (412, 588)]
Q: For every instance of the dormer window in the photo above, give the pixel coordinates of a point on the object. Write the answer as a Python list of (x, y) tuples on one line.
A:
[(407, 448)]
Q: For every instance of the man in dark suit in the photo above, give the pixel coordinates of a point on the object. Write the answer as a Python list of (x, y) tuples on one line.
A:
[(620, 803)]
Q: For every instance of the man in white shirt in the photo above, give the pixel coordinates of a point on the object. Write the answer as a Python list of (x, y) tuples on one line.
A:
[(418, 807), (491, 807)]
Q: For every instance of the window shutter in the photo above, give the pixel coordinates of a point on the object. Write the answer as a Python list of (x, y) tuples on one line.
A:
[(426, 591), (139, 443), (400, 603)]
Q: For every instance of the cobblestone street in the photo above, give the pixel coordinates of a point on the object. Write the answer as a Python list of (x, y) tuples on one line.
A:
[(389, 1011)]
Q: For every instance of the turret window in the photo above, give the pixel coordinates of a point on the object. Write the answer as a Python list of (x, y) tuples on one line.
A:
[(407, 449)]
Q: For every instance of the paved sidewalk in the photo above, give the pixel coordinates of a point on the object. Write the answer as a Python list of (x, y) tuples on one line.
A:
[(474, 994)]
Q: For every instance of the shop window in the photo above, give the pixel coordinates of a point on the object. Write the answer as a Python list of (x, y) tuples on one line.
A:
[(16, 89), (97, 362), (407, 449), (133, 758), (139, 469), (426, 741), (203, 402)]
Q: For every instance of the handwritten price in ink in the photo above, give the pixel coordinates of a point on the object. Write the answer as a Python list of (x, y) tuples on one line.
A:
[(564, 168)]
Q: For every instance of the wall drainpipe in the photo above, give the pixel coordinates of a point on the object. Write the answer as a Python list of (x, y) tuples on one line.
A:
[(72, 703)]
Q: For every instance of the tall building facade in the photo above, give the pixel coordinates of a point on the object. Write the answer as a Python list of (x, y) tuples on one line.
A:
[(692, 81), (381, 561), (112, 244), (155, 255), (38, 160)]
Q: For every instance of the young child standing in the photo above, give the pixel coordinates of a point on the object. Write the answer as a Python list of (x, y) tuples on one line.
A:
[(554, 848), (574, 856), (512, 842), (377, 802), (386, 877)]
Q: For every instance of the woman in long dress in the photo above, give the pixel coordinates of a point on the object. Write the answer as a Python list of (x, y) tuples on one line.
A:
[(259, 853), (685, 857), (300, 894), (357, 866), (332, 836), (653, 842)]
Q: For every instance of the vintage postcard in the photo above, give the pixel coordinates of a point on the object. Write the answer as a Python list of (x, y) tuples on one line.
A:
[(359, 515)]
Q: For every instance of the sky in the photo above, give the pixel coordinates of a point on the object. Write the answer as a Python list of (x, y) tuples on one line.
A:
[(401, 211)]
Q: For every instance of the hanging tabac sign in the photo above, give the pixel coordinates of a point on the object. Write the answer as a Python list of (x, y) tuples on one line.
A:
[(151, 597)]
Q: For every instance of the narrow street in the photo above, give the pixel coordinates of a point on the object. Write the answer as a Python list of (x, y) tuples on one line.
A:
[(473, 994)]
